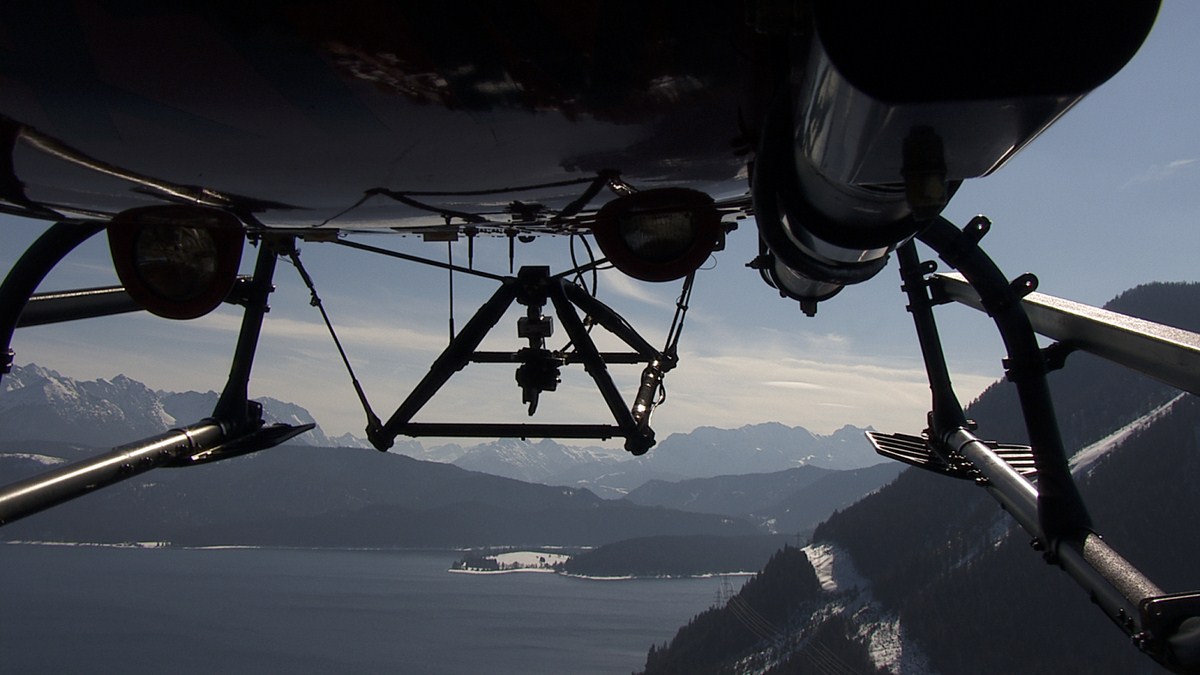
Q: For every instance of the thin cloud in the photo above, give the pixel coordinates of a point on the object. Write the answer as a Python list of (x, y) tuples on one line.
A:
[(368, 335), (1161, 172), (635, 290), (792, 384), (761, 381)]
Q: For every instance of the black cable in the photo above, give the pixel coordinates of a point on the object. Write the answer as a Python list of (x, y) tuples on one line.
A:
[(406, 197), (450, 267), (592, 260), (681, 308), (495, 191), (416, 259), (591, 265), (315, 301)]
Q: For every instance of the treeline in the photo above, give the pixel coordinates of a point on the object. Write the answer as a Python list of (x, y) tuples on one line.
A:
[(829, 649), (675, 556), (761, 612), (477, 561), (921, 522)]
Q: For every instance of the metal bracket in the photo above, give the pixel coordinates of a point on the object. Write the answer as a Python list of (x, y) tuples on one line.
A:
[(1055, 355), (1172, 630), (1168, 354)]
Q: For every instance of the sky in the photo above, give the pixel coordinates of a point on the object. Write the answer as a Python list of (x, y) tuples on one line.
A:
[(1106, 199)]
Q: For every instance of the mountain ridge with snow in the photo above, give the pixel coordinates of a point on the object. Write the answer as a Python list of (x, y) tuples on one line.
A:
[(40, 404)]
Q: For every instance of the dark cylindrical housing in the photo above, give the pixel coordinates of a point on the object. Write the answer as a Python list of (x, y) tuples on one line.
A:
[(891, 105)]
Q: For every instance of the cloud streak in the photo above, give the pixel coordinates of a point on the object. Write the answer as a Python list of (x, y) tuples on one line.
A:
[(764, 382), (632, 289), (366, 335), (1161, 172)]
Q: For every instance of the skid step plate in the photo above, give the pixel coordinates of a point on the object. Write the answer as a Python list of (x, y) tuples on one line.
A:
[(915, 450)]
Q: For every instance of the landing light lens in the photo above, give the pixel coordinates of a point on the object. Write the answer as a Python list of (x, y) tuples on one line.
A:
[(659, 235), (178, 262)]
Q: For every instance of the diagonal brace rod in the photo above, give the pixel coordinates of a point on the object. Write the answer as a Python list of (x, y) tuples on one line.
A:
[(456, 355), (636, 442), (610, 320)]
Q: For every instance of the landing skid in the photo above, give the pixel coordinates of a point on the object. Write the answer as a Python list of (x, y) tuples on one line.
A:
[(235, 428), (1033, 483)]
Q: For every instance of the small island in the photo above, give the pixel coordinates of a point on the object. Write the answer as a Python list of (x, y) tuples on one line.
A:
[(510, 561), (645, 557)]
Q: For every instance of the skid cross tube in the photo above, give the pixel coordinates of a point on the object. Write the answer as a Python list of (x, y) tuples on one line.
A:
[(532, 287), (73, 305), (90, 303), (1166, 353), (1167, 627)]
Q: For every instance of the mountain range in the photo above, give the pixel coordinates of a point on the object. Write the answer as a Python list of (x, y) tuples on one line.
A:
[(703, 453), (312, 494), (41, 404), (790, 501)]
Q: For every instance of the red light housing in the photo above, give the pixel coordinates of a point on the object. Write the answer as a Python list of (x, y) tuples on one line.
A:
[(177, 262), (659, 235)]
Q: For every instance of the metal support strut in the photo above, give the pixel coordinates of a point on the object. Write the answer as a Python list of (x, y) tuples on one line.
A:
[(234, 407), (1167, 627), (1061, 511)]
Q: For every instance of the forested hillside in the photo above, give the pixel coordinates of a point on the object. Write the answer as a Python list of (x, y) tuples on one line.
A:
[(676, 556), (762, 611), (941, 555), (339, 497)]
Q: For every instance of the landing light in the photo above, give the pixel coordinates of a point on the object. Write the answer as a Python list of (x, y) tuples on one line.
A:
[(658, 235), (178, 262)]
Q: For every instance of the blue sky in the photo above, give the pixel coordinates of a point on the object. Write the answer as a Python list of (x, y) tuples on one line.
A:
[(1107, 198)]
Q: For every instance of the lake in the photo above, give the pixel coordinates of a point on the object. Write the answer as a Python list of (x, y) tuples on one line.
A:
[(104, 609)]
